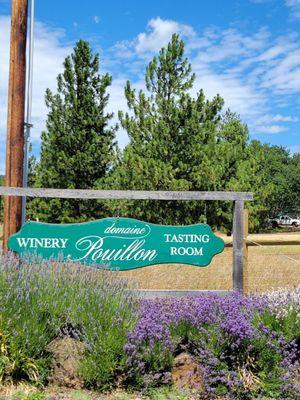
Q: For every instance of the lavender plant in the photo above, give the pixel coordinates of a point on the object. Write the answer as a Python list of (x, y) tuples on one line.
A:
[(239, 358), (283, 312), (41, 300), (246, 347)]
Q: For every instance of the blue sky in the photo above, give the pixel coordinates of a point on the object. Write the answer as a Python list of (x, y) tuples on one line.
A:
[(248, 51)]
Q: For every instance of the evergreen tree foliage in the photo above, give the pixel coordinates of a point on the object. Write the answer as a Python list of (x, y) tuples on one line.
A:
[(293, 185), (78, 147), (252, 176), (177, 141), (276, 166), (270, 172), (180, 142), (283, 172)]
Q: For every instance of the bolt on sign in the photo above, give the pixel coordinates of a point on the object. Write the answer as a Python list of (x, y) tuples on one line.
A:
[(119, 243)]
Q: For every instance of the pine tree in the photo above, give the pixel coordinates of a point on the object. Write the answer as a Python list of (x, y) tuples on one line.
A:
[(177, 142), (78, 147)]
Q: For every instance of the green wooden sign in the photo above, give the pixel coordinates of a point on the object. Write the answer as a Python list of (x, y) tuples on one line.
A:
[(119, 243)]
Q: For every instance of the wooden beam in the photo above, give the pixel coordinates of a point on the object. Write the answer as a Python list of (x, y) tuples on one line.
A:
[(124, 194), (267, 240), (15, 117), (156, 293), (245, 252), (238, 233)]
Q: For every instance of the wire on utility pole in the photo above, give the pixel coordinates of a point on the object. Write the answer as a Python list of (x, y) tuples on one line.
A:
[(28, 122)]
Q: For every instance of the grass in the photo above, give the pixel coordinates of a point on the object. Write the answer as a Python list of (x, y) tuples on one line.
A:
[(53, 393), (268, 267), (25, 392)]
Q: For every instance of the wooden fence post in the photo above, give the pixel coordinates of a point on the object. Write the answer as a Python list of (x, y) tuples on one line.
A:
[(246, 287), (238, 243)]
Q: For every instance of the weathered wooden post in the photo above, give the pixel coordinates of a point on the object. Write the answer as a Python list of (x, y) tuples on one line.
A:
[(246, 287), (238, 243), (15, 118)]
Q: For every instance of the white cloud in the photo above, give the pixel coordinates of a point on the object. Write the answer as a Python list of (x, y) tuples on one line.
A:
[(278, 118), (4, 67), (271, 128), (232, 44), (159, 32), (253, 74), (239, 96), (117, 101), (295, 149), (250, 71), (49, 53), (96, 19), (294, 6), (278, 50)]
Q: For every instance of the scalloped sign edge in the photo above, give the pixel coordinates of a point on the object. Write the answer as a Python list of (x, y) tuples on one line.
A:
[(119, 243)]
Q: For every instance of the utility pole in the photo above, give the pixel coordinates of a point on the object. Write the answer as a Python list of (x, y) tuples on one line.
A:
[(28, 122), (15, 118)]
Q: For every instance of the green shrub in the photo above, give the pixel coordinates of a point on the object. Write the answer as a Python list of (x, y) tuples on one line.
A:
[(42, 300), (29, 396)]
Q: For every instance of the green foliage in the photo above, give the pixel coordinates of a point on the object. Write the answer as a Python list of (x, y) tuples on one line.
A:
[(163, 393), (181, 142), (80, 395), (158, 359), (252, 176), (29, 396), (40, 300), (288, 198), (78, 146), (288, 324), (106, 328), (259, 368), (164, 150), (167, 393), (15, 360)]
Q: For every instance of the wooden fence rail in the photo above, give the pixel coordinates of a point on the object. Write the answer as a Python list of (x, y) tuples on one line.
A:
[(124, 194), (260, 240)]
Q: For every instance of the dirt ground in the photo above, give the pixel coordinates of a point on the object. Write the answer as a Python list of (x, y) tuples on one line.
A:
[(26, 392)]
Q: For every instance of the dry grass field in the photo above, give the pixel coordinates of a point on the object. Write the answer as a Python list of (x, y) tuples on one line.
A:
[(266, 270), (268, 267)]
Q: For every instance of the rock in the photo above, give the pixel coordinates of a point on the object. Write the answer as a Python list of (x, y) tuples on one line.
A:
[(67, 355), (186, 373)]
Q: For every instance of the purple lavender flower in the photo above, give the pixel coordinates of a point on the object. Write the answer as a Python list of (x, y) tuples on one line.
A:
[(223, 333)]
